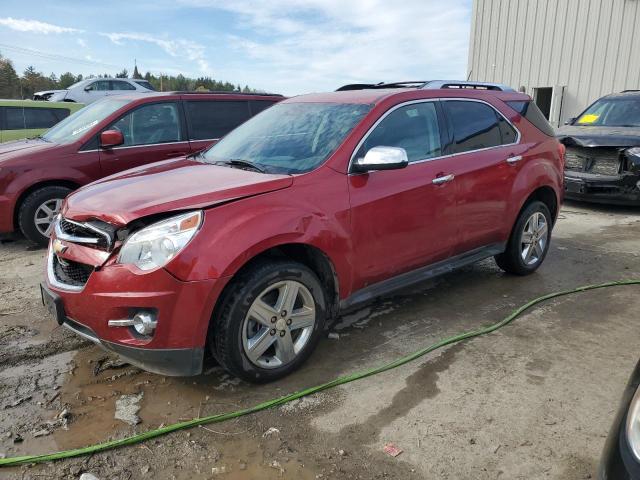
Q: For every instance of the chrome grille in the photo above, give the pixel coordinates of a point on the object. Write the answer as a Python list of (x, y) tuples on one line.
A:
[(601, 161), (85, 233), (71, 273)]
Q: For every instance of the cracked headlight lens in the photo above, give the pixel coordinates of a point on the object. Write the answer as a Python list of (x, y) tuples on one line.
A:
[(154, 246)]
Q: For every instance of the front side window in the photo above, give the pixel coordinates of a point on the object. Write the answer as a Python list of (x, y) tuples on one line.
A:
[(612, 112), (75, 126), (99, 86), (121, 85), (476, 126), (214, 119), (149, 124), (412, 127), (289, 137)]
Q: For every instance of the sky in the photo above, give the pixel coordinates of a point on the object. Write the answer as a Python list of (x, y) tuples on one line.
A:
[(281, 46)]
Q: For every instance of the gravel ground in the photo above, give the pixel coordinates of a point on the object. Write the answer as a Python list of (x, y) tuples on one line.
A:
[(532, 401)]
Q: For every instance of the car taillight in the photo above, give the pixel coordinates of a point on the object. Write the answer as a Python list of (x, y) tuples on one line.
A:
[(562, 150)]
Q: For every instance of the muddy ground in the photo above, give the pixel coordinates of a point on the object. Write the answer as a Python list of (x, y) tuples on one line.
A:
[(534, 400)]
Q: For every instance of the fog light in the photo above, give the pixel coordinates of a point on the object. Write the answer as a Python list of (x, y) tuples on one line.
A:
[(638, 184), (144, 323)]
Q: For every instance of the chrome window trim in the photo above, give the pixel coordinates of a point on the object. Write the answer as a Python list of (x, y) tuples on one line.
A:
[(52, 276), (148, 145), (426, 100)]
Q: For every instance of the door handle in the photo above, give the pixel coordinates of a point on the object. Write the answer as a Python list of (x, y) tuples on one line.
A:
[(443, 179), (514, 160)]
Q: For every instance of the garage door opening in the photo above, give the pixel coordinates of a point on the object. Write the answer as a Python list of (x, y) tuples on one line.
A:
[(542, 97)]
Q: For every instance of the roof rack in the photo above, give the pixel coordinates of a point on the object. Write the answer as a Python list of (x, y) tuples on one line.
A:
[(630, 91), (224, 92), (429, 84)]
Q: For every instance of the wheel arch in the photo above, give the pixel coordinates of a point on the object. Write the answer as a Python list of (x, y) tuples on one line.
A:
[(36, 186)]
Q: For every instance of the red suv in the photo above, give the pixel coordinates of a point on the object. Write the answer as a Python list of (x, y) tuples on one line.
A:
[(319, 203), (104, 138)]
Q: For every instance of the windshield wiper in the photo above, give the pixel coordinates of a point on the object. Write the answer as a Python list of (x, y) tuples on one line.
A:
[(238, 162)]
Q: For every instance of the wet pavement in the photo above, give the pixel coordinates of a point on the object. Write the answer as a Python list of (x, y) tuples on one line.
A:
[(534, 400)]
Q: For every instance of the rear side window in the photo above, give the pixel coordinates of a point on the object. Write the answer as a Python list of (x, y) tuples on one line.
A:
[(19, 118), (531, 112), (412, 127), (121, 85), (476, 126), (209, 120), (259, 105)]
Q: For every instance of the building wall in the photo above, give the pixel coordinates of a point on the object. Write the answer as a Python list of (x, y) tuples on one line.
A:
[(591, 47)]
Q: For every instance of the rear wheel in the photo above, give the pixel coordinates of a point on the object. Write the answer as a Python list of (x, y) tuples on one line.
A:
[(38, 211), (529, 242), (270, 321)]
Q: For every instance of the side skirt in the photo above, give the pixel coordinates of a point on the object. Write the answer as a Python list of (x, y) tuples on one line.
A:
[(421, 274)]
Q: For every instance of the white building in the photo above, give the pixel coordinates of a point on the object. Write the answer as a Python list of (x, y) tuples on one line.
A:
[(565, 53)]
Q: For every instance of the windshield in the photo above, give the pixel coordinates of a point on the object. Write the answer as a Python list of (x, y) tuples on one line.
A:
[(289, 137), (612, 112), (74, 126)]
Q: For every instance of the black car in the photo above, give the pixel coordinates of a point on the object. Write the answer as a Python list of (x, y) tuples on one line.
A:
[(621, 456), (603, 151)]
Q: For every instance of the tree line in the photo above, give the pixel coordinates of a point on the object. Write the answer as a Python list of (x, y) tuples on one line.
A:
[(23, 86)]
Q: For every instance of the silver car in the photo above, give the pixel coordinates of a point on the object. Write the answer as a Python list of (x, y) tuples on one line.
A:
[(92, 89)]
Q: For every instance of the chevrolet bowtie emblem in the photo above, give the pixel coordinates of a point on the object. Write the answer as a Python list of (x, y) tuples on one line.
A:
[(58, 247)]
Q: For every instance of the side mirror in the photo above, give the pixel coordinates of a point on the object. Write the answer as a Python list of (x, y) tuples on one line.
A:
[(111, 138), (88, 88), (382, 158), (571, 121)]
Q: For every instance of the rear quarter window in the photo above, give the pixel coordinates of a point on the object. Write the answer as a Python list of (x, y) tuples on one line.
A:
[(532, 113), (209, 120)]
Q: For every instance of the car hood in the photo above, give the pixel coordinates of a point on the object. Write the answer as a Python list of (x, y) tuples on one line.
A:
[(572, 135), (19, 148), (168, 186)]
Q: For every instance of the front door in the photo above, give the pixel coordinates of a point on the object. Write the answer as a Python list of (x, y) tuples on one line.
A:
[(152, 132), (403, 219)]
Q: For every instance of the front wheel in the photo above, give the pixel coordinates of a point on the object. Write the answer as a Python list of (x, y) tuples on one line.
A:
[(529, 242), (38, 212), (269, 322)]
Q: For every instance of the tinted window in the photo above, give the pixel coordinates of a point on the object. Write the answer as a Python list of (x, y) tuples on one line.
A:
[(208, 120), (259, 105), (120, 85), (412, 127), (155, 123), (475, 126), (100, 85), (531, 112), (42, 117), (14, 119)]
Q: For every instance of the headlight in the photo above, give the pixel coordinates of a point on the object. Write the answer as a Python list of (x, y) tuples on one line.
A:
[(634, 151), (633, 425), (154, 246)]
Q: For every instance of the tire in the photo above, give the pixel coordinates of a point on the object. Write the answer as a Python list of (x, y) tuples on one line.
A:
[(517, 258), (234, 328), (32, 204)]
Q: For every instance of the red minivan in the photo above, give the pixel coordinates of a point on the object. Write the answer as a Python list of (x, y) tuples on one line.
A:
[(104, 138), (317, 204)]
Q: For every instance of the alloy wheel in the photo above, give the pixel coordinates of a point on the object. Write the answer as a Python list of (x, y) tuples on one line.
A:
[(279, 324), (45, 215), (534, 239)]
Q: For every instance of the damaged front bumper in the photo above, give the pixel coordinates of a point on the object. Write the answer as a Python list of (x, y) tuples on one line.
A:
[(621, 189)]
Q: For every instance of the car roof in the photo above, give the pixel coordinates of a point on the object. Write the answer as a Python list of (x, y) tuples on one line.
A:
[(39, 104), (624, 94), (376, 96), (150, 96)]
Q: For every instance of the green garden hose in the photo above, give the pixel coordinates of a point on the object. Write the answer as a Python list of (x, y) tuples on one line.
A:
[(100, 447)]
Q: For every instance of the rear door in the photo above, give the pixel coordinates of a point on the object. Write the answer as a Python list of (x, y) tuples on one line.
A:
[(152, 132), (210, 120), (403, 219), (486, 156)]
